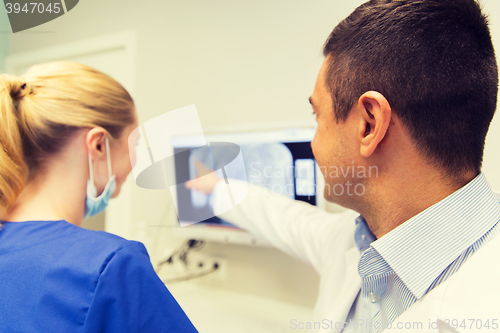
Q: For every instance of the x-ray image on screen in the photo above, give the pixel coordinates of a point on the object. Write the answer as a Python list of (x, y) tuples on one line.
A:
[(273, 165), (267, 165)]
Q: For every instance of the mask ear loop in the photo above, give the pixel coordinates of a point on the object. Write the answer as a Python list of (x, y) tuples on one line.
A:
[(91, 171)]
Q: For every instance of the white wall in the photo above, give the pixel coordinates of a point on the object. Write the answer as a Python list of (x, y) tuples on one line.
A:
[(240, 62), (4, 38), (491, 161)]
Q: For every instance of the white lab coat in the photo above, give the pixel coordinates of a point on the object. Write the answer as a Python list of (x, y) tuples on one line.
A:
[(326, 242)]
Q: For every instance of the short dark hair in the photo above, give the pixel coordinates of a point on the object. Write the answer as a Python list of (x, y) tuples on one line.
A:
[(434, 62)]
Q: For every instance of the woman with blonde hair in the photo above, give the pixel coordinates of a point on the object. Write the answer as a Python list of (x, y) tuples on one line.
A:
[(63, 154)]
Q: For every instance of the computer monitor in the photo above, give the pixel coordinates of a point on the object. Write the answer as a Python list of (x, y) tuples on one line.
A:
[(279, 159)]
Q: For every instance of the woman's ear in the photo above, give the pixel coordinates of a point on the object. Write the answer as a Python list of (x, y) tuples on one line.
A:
[(375, 117), (95, 141)]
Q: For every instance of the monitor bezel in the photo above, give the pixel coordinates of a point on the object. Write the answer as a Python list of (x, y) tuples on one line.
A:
[(222, 234)]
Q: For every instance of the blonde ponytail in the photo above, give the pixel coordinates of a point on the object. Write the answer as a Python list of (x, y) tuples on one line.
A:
[(42, 110), (13, 170)]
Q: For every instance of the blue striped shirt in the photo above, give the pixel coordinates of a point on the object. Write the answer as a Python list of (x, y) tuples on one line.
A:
[(409, 261)]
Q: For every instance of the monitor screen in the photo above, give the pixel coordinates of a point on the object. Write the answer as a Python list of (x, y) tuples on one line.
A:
[(279, 160)]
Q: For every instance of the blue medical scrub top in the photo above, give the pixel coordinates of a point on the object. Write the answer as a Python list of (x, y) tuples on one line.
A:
[(57, 277)]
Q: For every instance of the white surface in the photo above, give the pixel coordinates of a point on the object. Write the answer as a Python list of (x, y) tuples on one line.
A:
[(258, 134), (213, 310), (285, 131), (159, 130)]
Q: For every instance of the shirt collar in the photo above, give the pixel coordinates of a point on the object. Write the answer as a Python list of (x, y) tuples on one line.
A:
[(363, 236), (422, 247)]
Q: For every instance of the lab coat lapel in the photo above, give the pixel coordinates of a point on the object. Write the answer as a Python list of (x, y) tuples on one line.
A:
[(350, 289)]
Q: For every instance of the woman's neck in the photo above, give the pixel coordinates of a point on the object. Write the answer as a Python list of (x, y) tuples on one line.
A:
[(57, 193)]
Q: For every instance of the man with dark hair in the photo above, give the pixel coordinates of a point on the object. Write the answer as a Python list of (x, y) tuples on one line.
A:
[(408, 88)]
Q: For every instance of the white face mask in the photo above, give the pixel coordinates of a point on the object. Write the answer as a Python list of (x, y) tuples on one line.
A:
[(93, 204)]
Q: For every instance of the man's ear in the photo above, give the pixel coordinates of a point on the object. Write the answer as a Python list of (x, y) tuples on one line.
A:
[(95, 142), (375, 117)]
